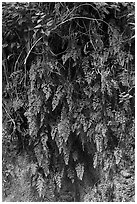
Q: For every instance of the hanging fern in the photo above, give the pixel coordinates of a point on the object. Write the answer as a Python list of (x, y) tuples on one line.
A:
[(57, 97), (80, 170), (66, 152), (47, 90), (54, 131), (58, 179), (71, 174), (63, 132), (40, 186)]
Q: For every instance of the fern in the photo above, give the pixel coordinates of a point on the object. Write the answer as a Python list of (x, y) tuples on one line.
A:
[(17, 104), (57, 97), (73, 53), (58, 179), (45, 152), (38, 153), (95, 160), (118, 155), (66, 152), (48, 191), (47, 90), (70, 174), (106, 84), (34, 108), (123, 78), (64, 129), (63, 133), (99, 142), (54, 130), (79, 170), (87, 72), (33, 167), (59, 141), (40, 186), (75, 156)]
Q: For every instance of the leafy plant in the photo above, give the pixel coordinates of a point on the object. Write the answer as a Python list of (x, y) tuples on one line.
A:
[(68, 101)]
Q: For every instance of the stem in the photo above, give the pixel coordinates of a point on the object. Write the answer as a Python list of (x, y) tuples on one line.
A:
[(25, 61), (79, 17), (10, 118)]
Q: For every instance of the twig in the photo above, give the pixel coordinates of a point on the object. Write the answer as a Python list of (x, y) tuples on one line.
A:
[(32, 49), (17, 61), (10, 118), (4, 63), (86, 4), (80, 17)]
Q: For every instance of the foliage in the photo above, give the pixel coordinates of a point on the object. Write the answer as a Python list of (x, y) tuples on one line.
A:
[(68, 101)]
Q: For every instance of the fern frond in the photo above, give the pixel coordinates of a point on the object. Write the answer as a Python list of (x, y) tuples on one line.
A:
[(47, 90), (79, 170), (57, 97), (33, 167), (66, 152), (58, 179), (64, 129), (40, 186)]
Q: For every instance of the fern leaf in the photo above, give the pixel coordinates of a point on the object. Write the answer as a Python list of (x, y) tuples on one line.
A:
[(54, 130), (95, 160), (69, 97), (17, 103), (38, 153), (64, 129), (74, 53), (75, 156), (40, 186), (87, 71), (45, 166), (66, 152), (44, 139), (99, 142), (123, 77), (47, 90), (59, 141), (79, 170), (58, 179), (33, 167), (118, 155), (57, 97), (70, 174)]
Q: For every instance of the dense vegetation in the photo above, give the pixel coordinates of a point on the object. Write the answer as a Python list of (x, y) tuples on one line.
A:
[(68, 101)]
